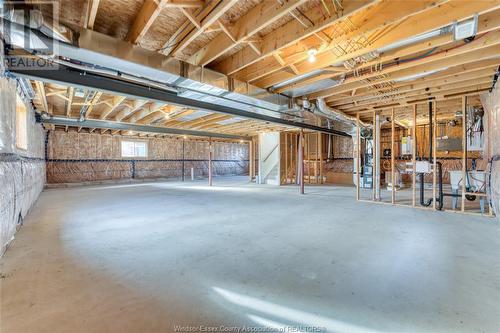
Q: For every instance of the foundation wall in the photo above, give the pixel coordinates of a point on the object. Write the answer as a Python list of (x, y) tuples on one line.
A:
[(88, 157), (491, 103), (22, 171)]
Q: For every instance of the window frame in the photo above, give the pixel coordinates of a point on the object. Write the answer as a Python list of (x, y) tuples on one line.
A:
[(146, 143)]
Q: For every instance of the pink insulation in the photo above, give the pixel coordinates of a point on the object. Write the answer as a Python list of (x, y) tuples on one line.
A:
[(83, 157), (491, 104)]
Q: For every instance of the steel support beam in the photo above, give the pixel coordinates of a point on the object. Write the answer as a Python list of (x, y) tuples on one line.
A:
[(79, 78)]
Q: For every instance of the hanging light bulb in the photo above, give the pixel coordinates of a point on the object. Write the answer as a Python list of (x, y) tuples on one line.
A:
[(311, 55)]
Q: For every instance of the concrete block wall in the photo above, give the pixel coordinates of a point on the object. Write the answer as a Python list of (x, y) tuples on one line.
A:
[(88, 157), (22, 172)]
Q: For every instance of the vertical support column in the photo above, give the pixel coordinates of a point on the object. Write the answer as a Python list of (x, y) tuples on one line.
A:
[(464, 150), (210, 162), (251, 160), (358, 156), (377, 159), (393, 152), (183, 158), (294, 150), (286, 157), (254, 169), (414, 156), (320, 145), (307, 157), (316, 162), (434, 158), (301, 161), (374, 157)]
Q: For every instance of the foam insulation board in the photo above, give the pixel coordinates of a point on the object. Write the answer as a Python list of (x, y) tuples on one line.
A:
[(22, 172)]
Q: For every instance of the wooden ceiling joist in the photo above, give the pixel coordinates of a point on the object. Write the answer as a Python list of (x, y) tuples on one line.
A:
[(204, 23), (487, 22), (116, 102), (286, 35), (147, 15), (453, 73), (173, 118), (363, 59), (93, 103), (186, 27), (423, 21), (131, 108), (437, 92), (42, 96), (349, 37), (91, 14), (248, 25), (69, 102), (405, 87), (474, 51), (145, 111)]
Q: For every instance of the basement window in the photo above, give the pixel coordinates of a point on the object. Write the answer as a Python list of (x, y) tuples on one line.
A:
[(134, 149), (21, 124)]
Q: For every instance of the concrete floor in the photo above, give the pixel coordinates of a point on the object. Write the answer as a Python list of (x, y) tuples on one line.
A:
[(147, 257)]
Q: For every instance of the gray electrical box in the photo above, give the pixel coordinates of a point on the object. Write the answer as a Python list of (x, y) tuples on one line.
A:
[(450, 144)]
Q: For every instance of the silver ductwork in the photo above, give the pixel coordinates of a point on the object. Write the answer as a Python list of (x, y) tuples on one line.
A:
[(102, 55), (339, 116), (35, 20)]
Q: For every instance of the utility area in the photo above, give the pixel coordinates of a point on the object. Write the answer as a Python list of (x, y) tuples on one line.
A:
[(250, 166)]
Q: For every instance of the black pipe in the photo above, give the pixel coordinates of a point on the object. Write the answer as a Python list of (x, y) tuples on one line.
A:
[(422, 200), (441, 195), (440, 186), (421, 176)]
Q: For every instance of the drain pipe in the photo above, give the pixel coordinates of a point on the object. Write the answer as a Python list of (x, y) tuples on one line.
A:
[(440, 198), (422, 175)]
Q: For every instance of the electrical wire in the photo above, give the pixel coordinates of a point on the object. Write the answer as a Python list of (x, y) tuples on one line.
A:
[(428, 54)]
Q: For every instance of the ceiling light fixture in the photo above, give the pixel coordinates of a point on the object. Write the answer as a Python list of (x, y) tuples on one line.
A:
[(311, 55)]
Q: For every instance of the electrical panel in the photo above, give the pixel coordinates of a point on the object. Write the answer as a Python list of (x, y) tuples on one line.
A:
[(406, 145), (449, 144), (423, 167)]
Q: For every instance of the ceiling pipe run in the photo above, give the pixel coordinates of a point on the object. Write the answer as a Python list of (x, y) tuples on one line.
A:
[(371, 55)]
